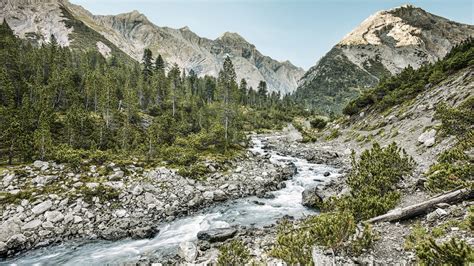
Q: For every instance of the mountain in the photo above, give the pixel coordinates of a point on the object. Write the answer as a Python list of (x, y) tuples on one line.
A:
[(130, 33), (382, 45)]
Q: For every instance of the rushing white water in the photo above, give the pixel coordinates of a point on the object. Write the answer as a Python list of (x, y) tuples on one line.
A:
[(250, 211)]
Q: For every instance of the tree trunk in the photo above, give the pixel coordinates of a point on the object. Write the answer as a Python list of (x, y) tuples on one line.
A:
[(423, 207)]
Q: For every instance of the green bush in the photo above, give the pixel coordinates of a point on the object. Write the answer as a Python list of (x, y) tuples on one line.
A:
[(294, 243), (452, 252), (195, 171), (318, 123), (364, 241), (233, 253), (334, 134), (372, 181), (454, 168)]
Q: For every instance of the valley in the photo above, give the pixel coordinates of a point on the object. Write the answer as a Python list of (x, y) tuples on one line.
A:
[(123, 142)]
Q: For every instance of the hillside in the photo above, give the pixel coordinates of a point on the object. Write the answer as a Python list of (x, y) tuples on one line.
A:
[(382, 45), (131, 33)]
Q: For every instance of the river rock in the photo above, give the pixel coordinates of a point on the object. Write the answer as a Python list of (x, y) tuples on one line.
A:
[(16, 241), (143, 232), (219, 195), (31, 225), (9, 228), (3, 249), (188, 251), (113, 233), (217, 235), (40, 164), (53, 216), (42, 207), (312, 197)]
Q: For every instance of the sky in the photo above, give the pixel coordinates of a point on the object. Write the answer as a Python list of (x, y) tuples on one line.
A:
[(301, 31)]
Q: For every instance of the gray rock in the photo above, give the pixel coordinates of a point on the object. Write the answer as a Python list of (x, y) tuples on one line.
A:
[(217, 235), (188, 251), (117, 175), (42, 207), (9, 228), (77, 219), (40, 164), (48, 225), (16, 241), (31, 225), (114, 233), (53, 216), (208, 195), (137, 190), (219, 195), (143, 232), (120, 213), (312, 197), (8, 179), (3, 249), (427, 138), (326, 174)]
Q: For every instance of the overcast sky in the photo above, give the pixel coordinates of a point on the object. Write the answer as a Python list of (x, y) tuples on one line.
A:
[(297, 30)]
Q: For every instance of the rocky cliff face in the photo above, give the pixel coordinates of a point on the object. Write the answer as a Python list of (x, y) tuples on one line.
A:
[(383, 44), (133, 32)]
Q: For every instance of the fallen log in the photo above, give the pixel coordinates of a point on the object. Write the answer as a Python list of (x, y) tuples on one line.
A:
[(423, 207)]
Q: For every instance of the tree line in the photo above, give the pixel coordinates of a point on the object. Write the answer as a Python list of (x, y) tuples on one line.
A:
[(62, 104)]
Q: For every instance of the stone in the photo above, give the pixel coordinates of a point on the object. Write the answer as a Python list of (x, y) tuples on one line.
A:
[(208, 195), (312, 197), (144, 232), (16, 241), (427, 138), (219, 195), (9, 228), (47, 225), (119, 174), (31, 225), (114, 233), (8, 179), (42, 207), (188, 251), (326, 174), (40, 164), (3, 249), (436, 214), (137, 190), (238, 169), (77, 219), (217, 235), (120, 213), (53, 216)]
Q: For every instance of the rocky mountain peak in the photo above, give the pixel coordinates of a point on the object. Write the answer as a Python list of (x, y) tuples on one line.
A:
[(232, 37), (382, 45)]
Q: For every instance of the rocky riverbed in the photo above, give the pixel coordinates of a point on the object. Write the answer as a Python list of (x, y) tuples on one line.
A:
[(48, 203)]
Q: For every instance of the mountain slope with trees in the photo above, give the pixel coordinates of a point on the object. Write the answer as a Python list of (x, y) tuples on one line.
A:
[(384, 44)]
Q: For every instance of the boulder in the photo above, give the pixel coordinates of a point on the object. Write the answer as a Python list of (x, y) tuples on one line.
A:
[(16, 241), (42, 207), (219, 195), (7, 179), (9, 228), (120, 213), (3, 249), (31, 225), (427, 138), (53, 216), (113, 233), (40, 164), (188, 251), (143, 232), (217, 235), (312, 197), (208, 195)]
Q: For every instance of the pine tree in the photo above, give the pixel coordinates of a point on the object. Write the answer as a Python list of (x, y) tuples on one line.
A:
[(147, 64)]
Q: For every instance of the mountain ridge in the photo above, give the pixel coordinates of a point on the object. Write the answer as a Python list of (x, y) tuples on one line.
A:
[(132, 32)]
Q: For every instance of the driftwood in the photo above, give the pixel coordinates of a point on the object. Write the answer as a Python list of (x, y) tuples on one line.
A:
[(423, 207)]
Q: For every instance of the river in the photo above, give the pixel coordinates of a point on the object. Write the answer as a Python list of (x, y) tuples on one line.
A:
[(249, 211)]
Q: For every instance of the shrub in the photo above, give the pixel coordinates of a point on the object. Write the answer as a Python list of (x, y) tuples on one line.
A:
[(294, 243), (454, 168), (195, 171), (334, 134), (363, 241), (452, 252), (233, 253), (318, 123), (372, 181)]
